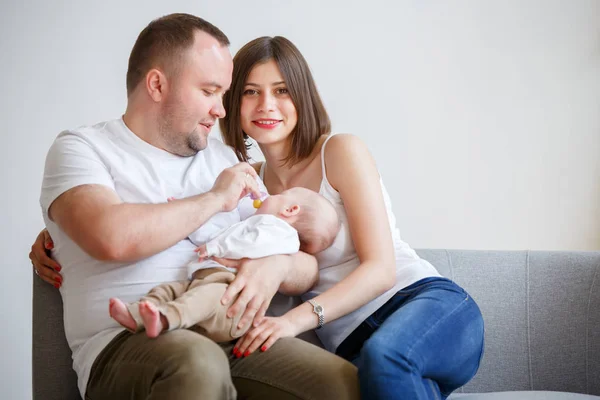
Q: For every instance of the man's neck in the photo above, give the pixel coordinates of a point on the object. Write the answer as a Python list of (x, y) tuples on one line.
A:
[(143, 124)]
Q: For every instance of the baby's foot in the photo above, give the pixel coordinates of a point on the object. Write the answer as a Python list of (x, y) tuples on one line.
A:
[(154, 322), (118, 311)]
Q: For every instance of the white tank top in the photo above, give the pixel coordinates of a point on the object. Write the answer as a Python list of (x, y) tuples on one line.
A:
[(339, 260)]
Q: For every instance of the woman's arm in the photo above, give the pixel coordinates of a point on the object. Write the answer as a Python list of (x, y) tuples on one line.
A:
[(45, 267), (257, 281), (359, 186)]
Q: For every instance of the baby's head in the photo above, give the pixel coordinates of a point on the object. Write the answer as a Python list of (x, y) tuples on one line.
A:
[(312, 215)]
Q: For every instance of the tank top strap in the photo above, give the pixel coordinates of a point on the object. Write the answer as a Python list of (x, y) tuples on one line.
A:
[(323, 170), (261, 173)]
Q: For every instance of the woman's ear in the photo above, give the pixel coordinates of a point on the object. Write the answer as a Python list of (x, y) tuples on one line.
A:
[(291, 211)]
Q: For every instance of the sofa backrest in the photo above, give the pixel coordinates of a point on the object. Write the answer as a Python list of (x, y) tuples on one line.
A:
[(541, 311)]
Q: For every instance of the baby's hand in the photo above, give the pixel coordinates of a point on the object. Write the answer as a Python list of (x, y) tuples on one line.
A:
[(201, 250)]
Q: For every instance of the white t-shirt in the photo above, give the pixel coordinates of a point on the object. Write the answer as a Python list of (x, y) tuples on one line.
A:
[(110, 154)]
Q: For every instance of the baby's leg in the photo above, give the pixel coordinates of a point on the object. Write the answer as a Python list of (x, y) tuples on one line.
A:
[(166, 292), (118, 311), (129, 316), (154, 321), (200, 307)]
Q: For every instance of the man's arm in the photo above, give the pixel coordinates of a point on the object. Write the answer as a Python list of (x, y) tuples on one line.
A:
[(107, 229), (96, 219)]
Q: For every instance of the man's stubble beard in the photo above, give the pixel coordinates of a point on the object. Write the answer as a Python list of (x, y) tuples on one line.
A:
[(184, 144)]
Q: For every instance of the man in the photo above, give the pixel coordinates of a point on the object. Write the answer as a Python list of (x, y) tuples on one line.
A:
[(104, 200)]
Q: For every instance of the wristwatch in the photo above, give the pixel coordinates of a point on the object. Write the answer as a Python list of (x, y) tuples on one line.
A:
[(318, 309)]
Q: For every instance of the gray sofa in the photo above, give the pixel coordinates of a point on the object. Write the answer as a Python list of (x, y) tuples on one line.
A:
[(541, 310)]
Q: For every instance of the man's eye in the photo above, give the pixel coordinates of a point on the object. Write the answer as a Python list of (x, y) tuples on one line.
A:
[(250, 92)]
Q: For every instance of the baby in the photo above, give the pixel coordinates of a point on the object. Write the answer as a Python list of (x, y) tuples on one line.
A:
[(296, 219)]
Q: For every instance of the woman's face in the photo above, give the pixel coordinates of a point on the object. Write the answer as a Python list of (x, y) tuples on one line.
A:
[(267, 111)]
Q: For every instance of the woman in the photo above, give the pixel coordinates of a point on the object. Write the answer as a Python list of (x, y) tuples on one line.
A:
[(412, 333)]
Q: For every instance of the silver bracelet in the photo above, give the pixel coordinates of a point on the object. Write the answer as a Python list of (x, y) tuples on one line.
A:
[(318, 309)]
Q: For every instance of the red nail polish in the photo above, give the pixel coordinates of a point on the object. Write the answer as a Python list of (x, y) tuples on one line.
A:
[(264, 348), (58, 280), (235, 350), (238, 354), (57, 285), (58, 268), (247, 353)]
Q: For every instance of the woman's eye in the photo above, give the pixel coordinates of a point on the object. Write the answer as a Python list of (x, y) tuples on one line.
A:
[(250, 92), (282, 91), (208, 93)]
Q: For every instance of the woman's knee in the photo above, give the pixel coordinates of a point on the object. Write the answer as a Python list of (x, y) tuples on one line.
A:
[(382, 353)]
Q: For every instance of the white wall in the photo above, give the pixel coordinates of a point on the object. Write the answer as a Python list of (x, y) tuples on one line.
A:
[(483, 116)]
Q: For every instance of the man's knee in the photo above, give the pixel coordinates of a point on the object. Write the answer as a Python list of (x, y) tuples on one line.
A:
[(194, 351), (320, 373), (193, 361)]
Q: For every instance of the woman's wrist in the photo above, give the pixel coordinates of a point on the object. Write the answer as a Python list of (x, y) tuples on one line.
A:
[(302, 318)]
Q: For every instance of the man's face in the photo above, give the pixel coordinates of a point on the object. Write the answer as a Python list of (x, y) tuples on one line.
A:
[(194, 98)]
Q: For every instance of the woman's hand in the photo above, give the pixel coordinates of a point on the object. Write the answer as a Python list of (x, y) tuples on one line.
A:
[(44, 266), (264, 335), (255, 284)]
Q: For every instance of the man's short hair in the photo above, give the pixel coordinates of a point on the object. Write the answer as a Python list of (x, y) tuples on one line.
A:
[(162, 44)]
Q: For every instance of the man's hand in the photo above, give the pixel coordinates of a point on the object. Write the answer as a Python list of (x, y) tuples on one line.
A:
[(234, 183), (256, 282), (264, 335)]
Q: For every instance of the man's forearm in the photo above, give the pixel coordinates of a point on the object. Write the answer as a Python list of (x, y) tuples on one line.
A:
[(303, 274), (109, 230), (137, 231)]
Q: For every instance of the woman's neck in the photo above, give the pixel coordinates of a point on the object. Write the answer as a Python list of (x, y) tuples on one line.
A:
[(282, 174)]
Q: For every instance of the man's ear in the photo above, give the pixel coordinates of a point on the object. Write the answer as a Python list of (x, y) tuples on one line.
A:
[(290, 211), (156, 84)]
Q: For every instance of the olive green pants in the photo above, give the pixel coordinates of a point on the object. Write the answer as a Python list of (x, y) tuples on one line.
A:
[(185, 365)]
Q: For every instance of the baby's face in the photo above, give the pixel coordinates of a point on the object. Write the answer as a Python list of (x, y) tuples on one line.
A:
[(273, 204), (277, 203)]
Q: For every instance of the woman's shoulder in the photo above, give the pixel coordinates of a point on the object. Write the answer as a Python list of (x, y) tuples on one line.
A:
[(344, 152), (342, 145)]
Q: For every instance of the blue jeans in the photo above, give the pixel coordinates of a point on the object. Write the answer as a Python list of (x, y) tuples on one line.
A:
[(424, 343)]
